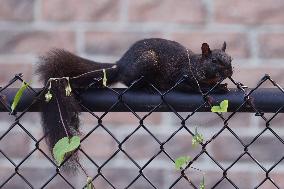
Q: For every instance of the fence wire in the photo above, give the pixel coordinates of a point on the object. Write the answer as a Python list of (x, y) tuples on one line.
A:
[(141, 168)]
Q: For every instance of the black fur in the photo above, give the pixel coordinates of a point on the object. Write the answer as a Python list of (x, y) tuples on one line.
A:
[(161, 62)]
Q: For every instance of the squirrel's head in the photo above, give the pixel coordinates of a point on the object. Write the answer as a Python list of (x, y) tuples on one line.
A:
[(216, 64)]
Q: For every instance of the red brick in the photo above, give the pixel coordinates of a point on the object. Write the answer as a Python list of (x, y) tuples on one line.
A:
[(250, 76), (183, 11), (6, 117), (31, 120), (15, 144), (121, 118), (86, 10), (181, 145), (264, 149), (277, 176), (268, 184), (237, 43), (6, 170), (16, 10), (276, 122), (271, 45), (112, 43), (202, 119), (141, 146), (99, 145), (100, 182), (226, 148), (249, 12), (115, 44), (267, 149), (209, 120), (16, 182), (119, 177), (36, 82), (37, 176), (155, 175), (6, 120), (122, 177), (58, 182), (195, 177), (8, 71), (43, 147), (35, 41), (241, 179), (239, 120)]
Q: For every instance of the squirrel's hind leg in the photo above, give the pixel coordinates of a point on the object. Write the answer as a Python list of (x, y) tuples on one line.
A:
[(145, 69)]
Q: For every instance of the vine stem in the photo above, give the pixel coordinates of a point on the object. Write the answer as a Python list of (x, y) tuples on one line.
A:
[(82, 168), (61, 118), (81, 75), (48, 85), (86, 73), (65, 129), (197, 82)]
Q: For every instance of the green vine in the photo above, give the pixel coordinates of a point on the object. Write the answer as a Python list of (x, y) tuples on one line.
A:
[(67, 145), (197, 138)]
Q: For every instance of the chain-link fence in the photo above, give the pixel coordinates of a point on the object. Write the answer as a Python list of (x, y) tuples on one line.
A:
[(189, 110)]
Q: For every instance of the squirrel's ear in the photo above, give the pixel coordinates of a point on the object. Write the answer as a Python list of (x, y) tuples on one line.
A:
[(224, 46), (205, 49)]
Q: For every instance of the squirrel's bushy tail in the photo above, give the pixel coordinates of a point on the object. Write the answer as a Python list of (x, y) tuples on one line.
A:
[(60, 116)]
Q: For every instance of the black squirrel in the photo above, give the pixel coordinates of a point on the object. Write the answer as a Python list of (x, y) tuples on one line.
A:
[(162, 62)]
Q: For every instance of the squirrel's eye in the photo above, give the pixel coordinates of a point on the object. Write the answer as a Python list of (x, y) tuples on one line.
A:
[(214, 60)]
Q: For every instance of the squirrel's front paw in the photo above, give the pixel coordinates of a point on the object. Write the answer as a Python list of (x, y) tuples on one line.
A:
[(223, 87)]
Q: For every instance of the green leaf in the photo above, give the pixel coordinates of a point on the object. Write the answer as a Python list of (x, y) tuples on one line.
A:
[(19, 95), (202, 184), (181, 162), (197, 138), (89, 184), (64, 146), (222, 108), (104, 78)]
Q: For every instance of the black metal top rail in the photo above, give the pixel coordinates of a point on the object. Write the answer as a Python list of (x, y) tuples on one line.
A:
[(100, 100), (241, 99)]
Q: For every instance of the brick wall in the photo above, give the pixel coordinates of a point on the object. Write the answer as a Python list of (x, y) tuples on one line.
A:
[(103, 30)]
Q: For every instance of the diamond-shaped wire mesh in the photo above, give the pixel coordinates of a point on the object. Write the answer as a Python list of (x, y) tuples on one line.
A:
[(140, 154)]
